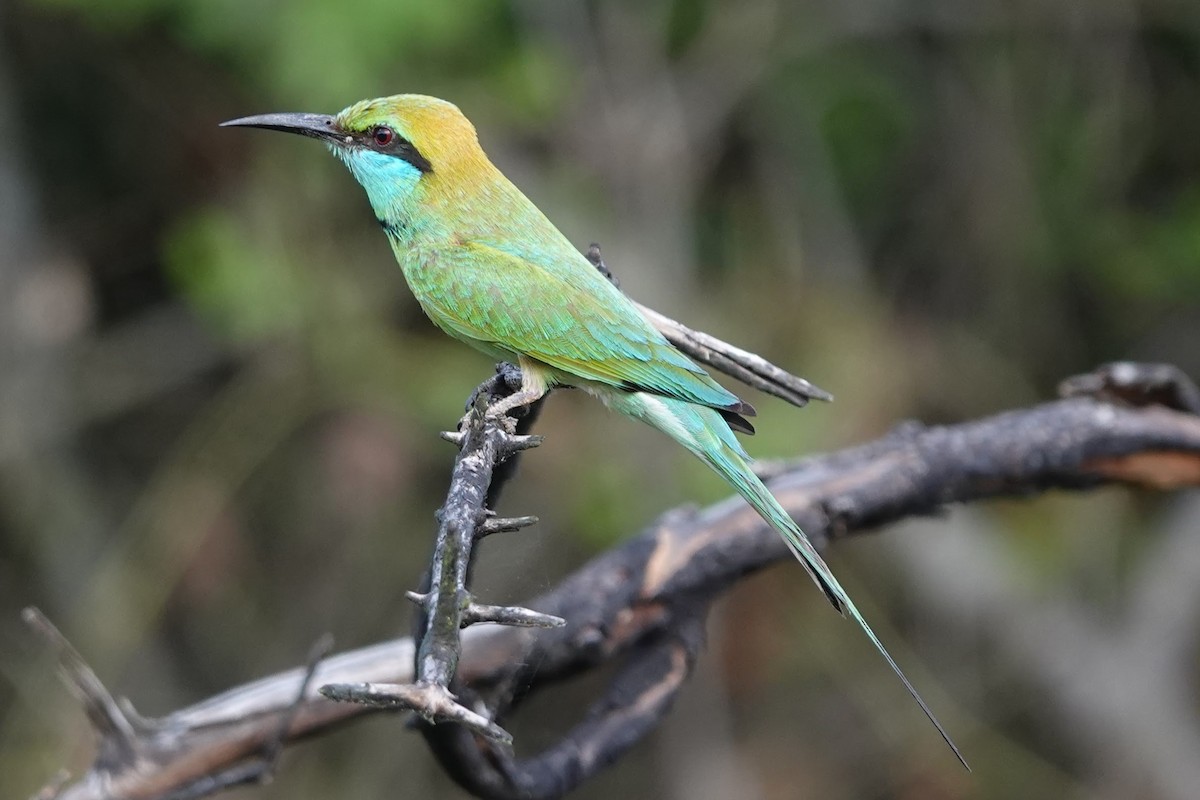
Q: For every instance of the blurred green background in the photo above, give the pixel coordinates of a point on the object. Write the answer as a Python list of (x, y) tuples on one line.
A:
[(219, 406)]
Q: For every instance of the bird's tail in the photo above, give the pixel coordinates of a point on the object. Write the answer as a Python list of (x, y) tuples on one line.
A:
[(702, 431)]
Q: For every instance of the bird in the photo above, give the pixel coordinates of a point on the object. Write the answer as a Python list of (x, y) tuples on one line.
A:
[(490, 269)]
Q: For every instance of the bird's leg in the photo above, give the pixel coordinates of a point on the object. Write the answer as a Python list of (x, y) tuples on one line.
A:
[(527, 396), (498, 410), (534, 385), (507, 379)]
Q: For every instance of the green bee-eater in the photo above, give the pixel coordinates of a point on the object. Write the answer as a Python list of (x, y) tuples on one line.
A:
[(490, 269)]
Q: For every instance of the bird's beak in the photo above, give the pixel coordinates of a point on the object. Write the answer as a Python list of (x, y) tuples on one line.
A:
[(318, 126)]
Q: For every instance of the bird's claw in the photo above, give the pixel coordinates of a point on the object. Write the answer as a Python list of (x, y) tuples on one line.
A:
[(499, 417), (502, 420)]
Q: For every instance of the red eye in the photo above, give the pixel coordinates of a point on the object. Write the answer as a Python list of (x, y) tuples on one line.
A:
[(383, 135)]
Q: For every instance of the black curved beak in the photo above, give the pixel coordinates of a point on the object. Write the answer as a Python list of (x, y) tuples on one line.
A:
[(318, 126)]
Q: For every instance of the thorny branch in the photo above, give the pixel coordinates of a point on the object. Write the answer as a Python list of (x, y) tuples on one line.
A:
[(642, 605), (447, 604)]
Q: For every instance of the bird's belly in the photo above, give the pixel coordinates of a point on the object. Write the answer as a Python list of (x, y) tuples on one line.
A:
[(431, 289)]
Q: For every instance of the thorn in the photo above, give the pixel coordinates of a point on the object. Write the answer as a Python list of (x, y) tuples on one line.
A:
[(102, 709), (510, 615), (503, 525), (274, 747), (511, 443), (597, 261), (432, 702)]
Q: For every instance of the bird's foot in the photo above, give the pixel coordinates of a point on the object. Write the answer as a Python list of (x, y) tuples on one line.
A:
[(501, 419), (517, 400), (492, 415), (507, 380)]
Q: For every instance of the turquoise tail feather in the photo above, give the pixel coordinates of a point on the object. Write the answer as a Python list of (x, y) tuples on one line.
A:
[(703, 432)]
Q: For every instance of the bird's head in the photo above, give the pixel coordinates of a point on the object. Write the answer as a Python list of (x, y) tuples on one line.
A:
[(391, 144)]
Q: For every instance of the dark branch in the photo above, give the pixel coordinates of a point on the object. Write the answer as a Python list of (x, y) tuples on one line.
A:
[(1136, 384), (642, 604), (485, 443)]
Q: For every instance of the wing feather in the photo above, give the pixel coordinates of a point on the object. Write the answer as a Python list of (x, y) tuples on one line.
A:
[(564, 318)]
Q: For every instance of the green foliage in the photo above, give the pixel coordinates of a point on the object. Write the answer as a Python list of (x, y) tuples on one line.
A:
[(862, 104), (242, 290), (1154, 257), (317, 52)]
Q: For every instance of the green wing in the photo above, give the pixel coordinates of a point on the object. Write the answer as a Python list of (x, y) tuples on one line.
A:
[(564, 318)]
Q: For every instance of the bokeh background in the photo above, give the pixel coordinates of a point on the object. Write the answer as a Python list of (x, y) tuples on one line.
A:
[(219, 406)]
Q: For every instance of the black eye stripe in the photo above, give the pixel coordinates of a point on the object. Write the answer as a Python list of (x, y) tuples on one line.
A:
[(406, 150), (384, 139)]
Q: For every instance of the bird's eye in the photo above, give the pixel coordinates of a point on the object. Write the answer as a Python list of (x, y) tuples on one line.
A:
[(383, 135)]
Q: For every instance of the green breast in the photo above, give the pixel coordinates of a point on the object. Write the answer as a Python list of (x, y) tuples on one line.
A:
[(433, 286)]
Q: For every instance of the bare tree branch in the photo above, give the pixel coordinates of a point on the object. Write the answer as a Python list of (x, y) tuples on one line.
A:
[(642, 604), (448, 606)]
